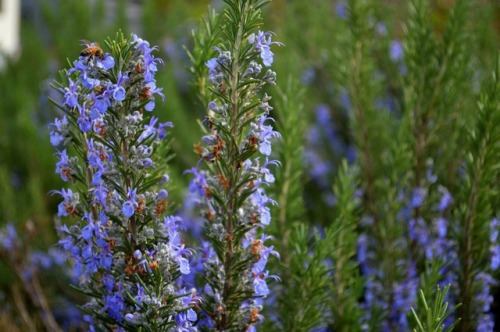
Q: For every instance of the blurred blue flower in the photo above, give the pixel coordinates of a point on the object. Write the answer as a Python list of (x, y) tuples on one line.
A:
[(396, 51)]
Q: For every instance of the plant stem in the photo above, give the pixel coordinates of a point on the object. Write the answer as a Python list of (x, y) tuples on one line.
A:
[(235, 164), (467, 261)]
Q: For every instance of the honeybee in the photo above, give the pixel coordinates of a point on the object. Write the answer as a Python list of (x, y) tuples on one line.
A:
[(92, 50)]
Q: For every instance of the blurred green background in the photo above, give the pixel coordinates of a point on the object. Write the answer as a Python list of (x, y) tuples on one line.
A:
[(50, 34)]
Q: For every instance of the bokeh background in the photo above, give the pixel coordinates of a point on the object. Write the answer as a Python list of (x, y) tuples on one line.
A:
[(50, 34)]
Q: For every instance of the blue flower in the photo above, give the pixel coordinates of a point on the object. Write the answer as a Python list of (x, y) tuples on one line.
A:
[(105, 259), (396, 51), (268, 176), (149, 60), (485, 324), (108, 282), (142, 44), (162, 194), (381, 29), (63, 166), (100, 195), (78, 66), (494, 225), (128, 209), (418, 197), (260, 199), (115, 306), (107, 62), (442, 227), (101, 103), (67, 243), (446, 199), (260, 285), (139, 298), (129, 206), (89, 230), (199, 182), (341, 10), (134, 318), (153, 90), (84, 121), (118, 90), (71, 94), (91, 260), (93, 155), (212, 66), (161, 132), (264, 133), (149, 129), (56, 138), (8, 237), (61, 128), (191, 315), (183, 265), (263, 45), (495, 257)]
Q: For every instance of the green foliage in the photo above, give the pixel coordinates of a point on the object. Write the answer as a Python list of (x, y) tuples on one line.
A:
[(169, 24), (371, 127), (321, 284), (296, 313), (476, 210), (437, 103), (235, 175), (90, 23), (382, 160), (347, 284), (303, 295), (303, 251), (431, 316), (288, 187), (204, 38), (437, 93), (432, 126), (25, 156)]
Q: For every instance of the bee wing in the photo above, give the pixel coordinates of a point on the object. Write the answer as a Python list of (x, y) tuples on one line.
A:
[(85, 42), (88, 43)]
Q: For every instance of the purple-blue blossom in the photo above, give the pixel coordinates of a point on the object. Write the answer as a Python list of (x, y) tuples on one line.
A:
[(8, 237), (129, 206), (101, 104), (63, 166), (60, 131), (71, 94), (118, 91), (264, 133), (341, 10), (199, 182), (418, 197), (396, 52), (115, 306), (235, 165), (446, 199), (262, 43), (115, 171), (149, 92)]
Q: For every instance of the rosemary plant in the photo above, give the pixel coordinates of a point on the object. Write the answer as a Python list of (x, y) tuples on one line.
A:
[(233, 172), (127, 253)]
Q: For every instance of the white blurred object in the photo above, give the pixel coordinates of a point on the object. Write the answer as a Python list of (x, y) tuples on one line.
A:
[(9, 27)]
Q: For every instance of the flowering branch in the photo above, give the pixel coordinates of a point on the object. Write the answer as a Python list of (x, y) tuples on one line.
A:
[(232, 182), (127, 252)]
